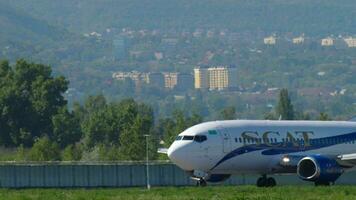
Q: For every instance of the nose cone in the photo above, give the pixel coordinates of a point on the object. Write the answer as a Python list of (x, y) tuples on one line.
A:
[(174, 154), (178, 155)]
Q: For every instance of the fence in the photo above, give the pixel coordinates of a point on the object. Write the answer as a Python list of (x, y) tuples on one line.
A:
[(44, 175)]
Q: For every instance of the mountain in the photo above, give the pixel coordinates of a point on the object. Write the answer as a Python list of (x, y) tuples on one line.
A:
[(23, 35), (300, 16)]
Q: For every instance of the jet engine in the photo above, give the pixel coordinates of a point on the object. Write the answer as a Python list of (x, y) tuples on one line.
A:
[(214, 178), (319, 169)]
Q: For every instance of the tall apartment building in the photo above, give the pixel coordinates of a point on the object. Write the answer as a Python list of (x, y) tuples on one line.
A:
[(215, 78), (350, 42), (170, 80), (201, 78), (327, 41)]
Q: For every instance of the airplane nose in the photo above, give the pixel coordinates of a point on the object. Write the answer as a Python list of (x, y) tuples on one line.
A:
[(173, 154), (179, 157)]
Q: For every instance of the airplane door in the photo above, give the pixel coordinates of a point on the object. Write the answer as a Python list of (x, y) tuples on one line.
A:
[(226, 139)]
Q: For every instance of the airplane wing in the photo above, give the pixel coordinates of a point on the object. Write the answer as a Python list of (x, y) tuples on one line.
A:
[(347, 159), (289, 163), (162, 150)]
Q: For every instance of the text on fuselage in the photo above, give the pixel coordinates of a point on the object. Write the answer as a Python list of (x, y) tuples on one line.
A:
[(296, 138)]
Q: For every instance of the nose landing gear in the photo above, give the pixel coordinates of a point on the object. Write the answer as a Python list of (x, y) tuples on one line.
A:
[(201, 183), (266, 182)]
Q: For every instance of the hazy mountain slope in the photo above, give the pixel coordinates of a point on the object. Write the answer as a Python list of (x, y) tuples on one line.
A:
[(312, 17), (25, 36), (16, 25)]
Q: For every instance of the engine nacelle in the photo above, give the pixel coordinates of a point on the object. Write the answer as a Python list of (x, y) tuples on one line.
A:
[(319, 169), (214, 178)]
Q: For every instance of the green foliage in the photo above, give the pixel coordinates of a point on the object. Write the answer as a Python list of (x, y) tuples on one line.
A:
[(169, 128), (66, 128), (324, 117), (109, 153), (285, 108), (21, 153), (228, 113), (29, 97), (132, 140), (72, 152), (44, 150)]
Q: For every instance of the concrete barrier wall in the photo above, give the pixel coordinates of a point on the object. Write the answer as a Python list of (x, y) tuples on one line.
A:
[(116, 175)]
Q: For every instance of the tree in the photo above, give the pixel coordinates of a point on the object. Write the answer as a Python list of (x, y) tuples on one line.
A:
[(96, 128), (228, 113), (72, 152), (29, 97), (44, 150), (171, 127), (324, 117), (285, 108), (66, 128), (132, 140)]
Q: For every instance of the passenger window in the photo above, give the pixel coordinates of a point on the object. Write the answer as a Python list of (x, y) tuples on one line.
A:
[(178, 138), (240, 140), (200, 138)]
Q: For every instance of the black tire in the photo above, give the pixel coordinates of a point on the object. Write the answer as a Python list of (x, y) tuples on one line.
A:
[(201, 183), (261, 182), (322, 183), (271, 182)]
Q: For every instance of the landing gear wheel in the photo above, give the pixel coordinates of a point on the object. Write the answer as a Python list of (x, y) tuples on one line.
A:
[(266, 182), (201, 183), (322, 183), (271, 182), (261, 182)]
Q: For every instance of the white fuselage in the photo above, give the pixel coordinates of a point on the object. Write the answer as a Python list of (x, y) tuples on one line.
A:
[(257, 146)]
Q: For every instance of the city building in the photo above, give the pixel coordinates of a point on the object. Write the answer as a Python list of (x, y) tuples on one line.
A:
[(327, 41), (270, 40), (201, 78), (222, 78), (170, 79), (215, 78), (137, 77), (298, 40), (350, 41), (178, 81)]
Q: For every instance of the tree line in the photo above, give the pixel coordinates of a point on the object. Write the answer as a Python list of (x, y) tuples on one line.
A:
[(36, 121)]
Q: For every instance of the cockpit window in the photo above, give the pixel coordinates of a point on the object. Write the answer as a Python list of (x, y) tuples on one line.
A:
[(200, 138), (178, 138), (188, 137)]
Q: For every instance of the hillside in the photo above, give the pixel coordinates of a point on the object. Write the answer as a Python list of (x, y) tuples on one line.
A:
[(310, 17), (25, 36)]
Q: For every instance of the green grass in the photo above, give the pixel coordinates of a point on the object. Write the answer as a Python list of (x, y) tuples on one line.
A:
[(182, 193)]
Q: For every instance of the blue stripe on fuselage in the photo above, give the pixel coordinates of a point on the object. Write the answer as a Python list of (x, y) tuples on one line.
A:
[(284, 148)]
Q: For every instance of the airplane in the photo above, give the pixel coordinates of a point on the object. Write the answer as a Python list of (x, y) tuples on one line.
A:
[(316, 151)]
